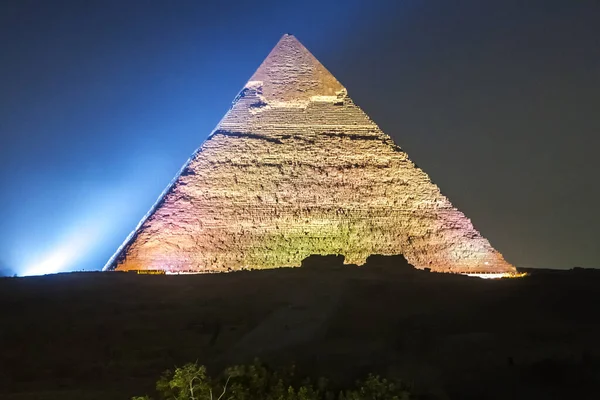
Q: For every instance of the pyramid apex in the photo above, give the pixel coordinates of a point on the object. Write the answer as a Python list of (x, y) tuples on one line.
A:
[(290, 37), (291, 73)]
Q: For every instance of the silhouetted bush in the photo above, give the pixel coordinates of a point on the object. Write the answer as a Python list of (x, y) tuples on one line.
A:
[(257, 382), (6, 272)]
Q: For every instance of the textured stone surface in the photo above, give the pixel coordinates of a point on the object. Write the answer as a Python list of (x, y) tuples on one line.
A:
[(296, 168)]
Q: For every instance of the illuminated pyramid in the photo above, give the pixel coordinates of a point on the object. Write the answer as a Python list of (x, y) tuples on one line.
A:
[(296, 168)]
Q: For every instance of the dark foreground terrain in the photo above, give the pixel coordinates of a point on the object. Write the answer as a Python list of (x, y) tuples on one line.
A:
[(110, 335)]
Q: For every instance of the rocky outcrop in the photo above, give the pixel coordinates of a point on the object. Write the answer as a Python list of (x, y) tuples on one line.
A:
[(324, 261), (296, 168)]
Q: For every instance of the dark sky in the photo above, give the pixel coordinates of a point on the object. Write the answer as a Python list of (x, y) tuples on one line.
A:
[(103, 101)]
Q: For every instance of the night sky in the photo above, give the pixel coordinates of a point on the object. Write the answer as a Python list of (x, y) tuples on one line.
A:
[(103, 101)]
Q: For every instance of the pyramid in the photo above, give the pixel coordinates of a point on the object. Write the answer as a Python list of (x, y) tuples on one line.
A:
[(296, 168)]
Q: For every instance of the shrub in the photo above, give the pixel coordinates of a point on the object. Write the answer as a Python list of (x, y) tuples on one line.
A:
[(376, 388), (257, 382)]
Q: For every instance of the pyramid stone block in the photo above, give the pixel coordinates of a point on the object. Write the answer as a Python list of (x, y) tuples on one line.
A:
[(296, 168)]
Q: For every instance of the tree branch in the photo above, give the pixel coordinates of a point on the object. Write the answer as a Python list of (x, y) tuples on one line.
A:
[(224, 387), (192, 389)]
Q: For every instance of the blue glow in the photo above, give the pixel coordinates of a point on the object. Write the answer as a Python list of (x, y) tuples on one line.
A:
[(81, 238), (87, 232)]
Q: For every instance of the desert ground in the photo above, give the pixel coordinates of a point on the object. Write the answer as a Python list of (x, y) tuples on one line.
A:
[(110, 335)]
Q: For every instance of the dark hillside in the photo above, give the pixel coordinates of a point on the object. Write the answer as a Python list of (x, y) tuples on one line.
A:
[(110, 335)]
